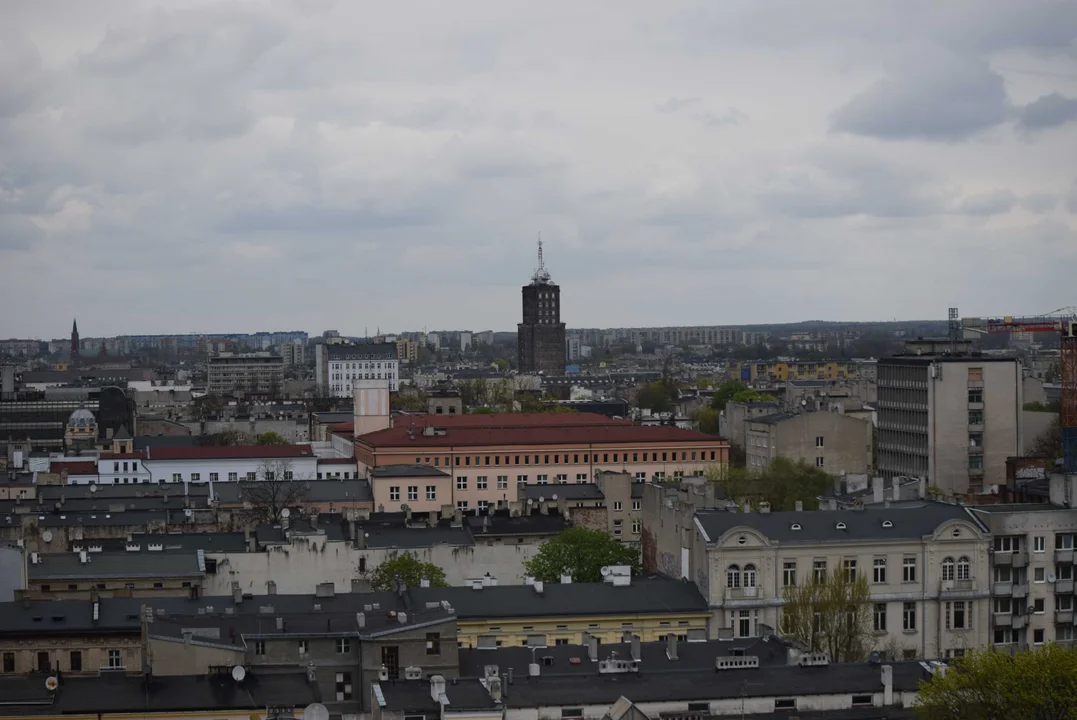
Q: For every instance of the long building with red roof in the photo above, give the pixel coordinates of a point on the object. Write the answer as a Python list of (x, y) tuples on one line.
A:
[(487, 456)]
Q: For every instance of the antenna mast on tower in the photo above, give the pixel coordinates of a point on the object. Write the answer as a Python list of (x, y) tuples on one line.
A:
[(541, 276)]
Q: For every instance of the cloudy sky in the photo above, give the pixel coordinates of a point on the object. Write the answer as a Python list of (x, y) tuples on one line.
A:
[(311, 164)]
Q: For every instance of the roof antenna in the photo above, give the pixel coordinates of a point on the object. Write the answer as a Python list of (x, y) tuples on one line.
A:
[(541, 276)]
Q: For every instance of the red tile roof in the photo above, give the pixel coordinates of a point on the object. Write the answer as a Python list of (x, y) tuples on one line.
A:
[(528, 436), (229, 451), (74, 467), (493, 420)]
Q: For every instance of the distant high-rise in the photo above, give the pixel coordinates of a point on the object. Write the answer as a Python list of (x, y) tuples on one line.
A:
[(540, 338)]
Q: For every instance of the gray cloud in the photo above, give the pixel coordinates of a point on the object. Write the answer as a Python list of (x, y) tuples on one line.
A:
[(197, 150), (995, 202), (1047, 112), (950, 101)]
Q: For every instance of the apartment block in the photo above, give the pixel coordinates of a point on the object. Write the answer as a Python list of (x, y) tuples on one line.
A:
[(952, 418), (260, 373)]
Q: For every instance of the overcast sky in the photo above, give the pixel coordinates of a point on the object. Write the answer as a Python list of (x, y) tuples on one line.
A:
[(184, 167)]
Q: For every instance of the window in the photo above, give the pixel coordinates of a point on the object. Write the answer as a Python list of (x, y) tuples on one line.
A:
[(413, 492), (233, 477), (749, 576), (562, 478), (483, 505), (1063, 542), (394, 492), (862, 701), (818, 571), (9, 662), (908, 616), (214, 477), (1007, 544), (879, 571), (177, 477), (956, 616), (637, 527), (75, 663), (542, 479), (948, 568), (1064, 572), (344, 646), (252, 476), (344, 686), (1039, 575), (976, 440), (480, 482), (502, 482), (197, 477), (433, 643), (1037, 636), (259, 647), (976, 395), (789, 573), (819, 462), (908, 570), (732, 576), (617, 506), (849, 567), (1003, 574), (785, 703), (1064, 633), (572, 712), (461, 505), (43, 662), (976, 462), (461, 482), (521, 479), (431, 492), (976, 417), (390, 658), (880, 617), (1003, 636), (1038, 544), (819, 441), (269, 475), (114, 659), (1003, 606), (303, 647), (1064, 603)]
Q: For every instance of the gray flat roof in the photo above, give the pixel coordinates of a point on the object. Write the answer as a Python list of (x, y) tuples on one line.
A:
[(102, 565)]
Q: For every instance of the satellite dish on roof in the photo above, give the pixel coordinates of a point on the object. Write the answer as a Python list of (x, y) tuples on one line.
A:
[(238, 673), (47, 536), (93, 488), (187, 512), (554, 497), (285, 513), (51, 683), (315, 711)]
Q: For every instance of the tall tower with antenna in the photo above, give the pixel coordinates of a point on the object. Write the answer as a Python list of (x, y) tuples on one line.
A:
[(540, 337)]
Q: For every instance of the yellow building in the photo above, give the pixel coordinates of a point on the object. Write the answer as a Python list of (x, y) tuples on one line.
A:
[(784, 371), (407, 350), (562, 613)]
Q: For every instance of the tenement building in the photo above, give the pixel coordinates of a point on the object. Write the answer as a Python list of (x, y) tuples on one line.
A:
[(339, 366), (540, 339), (927, 566), (952, 417)]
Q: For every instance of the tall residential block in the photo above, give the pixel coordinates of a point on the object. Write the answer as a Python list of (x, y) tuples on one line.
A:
[(949, 415), (540, 339)]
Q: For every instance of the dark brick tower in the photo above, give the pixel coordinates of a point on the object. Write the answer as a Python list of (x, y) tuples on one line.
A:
[(74, 341), (540, 338)]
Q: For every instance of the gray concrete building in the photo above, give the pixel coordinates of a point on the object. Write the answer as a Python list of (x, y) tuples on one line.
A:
[(830, 441), (952, 418), (260, 374)]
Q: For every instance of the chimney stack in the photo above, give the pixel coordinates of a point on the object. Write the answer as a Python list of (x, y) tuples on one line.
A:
[(592, 648), (877, 490), (671, 645), (799, 506), (636, 653), (888, 685)]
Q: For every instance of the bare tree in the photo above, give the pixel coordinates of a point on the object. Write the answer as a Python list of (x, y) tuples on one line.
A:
[(831, 615), (274, 488)]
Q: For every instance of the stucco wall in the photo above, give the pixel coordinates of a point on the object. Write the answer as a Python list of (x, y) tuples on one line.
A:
[(300, 567)]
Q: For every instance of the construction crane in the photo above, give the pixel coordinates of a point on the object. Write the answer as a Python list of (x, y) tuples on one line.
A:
[(1062, 321)]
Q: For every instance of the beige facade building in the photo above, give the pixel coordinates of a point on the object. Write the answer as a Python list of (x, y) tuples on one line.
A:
[(260, 373), (829, 441), (953, 419), (927, 566), (612, 504)]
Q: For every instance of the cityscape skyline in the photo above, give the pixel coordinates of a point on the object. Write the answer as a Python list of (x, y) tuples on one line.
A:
[(681, 161)]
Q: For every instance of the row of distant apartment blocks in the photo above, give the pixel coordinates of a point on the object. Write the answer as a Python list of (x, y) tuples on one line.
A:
[(676, 335)]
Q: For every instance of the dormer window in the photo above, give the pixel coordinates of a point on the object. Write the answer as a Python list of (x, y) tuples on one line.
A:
[(794, 526), (840, 526), (888, 524)]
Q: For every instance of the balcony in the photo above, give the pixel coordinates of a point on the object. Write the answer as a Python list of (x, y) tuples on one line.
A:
[(1064, 556), (1001, 588), (1019, 621), (1014, 559), (1063, 587), (1003, 620), (1063, 617), (1020, 590), (955, 588), (743, 593)]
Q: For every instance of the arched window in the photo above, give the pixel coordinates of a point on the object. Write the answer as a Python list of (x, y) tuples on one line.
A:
[(963, 567), (749, 576), (948, 569), (732, 576)]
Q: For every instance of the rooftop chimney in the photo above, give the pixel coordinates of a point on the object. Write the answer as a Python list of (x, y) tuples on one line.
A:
[(877, 490), (888, 685), (636, 649), (539, 586), (271, 587), (325, 590), (566, 579), (592, 648), (280, 624), (437, 688), (671, 645), (799, 506), (237, 594)]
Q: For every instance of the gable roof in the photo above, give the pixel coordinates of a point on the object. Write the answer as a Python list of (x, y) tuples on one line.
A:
[(910, 521)]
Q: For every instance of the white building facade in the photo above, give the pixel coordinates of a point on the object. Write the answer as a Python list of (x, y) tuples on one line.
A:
[(338, 367), (202, 465)]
